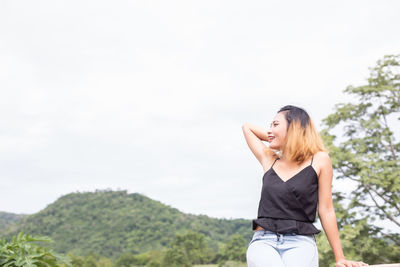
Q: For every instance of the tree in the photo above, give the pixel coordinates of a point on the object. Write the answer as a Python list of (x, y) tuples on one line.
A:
[(187, 249), (176, 257), (234, 249), (148, 258), (367, 152), (128, 259)]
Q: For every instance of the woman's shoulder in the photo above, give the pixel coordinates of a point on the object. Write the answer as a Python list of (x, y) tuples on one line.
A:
[(321, 161), (322, 157)]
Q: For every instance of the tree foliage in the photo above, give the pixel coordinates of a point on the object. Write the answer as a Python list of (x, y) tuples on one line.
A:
[(9, 219), (188, 249), (368, 152), (148, 258), (91, 260), (234, 250), (23, 251)]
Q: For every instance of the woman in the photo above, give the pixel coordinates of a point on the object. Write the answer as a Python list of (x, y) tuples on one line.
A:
[(297, 177)]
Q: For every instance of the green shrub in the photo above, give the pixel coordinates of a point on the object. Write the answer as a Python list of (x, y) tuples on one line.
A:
[(21, 251)]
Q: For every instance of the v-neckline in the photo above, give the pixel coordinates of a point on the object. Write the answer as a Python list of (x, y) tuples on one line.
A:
[(293, 175)]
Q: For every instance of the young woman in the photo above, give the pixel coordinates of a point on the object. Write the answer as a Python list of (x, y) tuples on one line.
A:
[(297, 177)]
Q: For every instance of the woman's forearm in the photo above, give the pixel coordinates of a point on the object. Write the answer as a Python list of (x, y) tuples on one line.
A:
[(260, 132), (328, 221)]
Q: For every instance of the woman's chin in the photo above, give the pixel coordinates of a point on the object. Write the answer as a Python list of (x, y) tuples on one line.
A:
[(273, 147)]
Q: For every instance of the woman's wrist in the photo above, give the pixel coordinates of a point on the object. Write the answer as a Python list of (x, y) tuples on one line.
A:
[(339, 258), (258, 131)]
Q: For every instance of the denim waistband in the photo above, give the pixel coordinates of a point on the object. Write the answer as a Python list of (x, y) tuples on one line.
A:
[(270, 232), (259, 233)]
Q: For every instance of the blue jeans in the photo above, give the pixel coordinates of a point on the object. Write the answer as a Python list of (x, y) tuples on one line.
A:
[(269, 249)]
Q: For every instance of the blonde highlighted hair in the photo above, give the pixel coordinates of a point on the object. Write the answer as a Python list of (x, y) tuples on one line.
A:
[(302, 139)]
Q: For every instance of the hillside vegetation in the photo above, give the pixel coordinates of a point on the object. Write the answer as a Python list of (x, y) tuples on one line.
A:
[(7, 219), (111, 223)]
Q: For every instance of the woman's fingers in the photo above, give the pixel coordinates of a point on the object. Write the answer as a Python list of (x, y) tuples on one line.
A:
[(358, 264), (347, 263)]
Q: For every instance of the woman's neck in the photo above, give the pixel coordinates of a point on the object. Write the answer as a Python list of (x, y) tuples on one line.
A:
[(283, 158)]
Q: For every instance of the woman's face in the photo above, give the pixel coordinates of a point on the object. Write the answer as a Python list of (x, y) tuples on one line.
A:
[(277, 131)]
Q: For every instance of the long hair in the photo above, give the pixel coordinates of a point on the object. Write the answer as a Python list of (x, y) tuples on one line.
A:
[(302, 139)]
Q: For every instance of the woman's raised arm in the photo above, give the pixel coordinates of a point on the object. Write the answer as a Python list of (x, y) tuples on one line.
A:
[(254, 136)]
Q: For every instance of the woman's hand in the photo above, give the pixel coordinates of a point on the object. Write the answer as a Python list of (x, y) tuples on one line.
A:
[(346, 263)]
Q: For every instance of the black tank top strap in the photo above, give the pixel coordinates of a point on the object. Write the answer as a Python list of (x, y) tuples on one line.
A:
[(312, 160), (274, 162)]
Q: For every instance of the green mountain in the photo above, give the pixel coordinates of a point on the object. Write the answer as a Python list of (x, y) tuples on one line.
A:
[(7, 219), (110, 223)]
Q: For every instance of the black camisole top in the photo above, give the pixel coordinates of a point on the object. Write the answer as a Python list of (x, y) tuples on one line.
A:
[(289, 207)]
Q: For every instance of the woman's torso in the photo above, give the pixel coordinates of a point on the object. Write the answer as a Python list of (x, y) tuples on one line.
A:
[(288, 203)]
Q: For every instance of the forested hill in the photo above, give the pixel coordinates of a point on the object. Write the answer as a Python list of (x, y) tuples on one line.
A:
[(7, 219), (110, 223)]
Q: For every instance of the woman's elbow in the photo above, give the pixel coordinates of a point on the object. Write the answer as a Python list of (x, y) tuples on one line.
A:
[(323, 211)]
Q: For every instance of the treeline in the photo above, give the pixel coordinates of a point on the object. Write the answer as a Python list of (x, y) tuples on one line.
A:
[(112, 223), (186, 250)]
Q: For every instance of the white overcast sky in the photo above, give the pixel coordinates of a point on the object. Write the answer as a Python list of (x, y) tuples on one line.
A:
[(150, 96)]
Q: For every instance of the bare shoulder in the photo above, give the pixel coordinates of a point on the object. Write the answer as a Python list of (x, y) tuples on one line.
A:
[(322, 162), (322, 157)]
